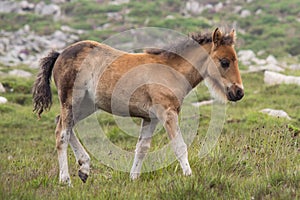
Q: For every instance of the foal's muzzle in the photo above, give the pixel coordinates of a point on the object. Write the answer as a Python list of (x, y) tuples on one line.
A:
[(234, 93)]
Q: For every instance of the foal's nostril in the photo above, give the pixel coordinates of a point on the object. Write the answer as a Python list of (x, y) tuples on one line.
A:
[(239, 93)]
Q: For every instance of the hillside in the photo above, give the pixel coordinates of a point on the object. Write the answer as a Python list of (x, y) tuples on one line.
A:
[(256, 154), (268, 27)]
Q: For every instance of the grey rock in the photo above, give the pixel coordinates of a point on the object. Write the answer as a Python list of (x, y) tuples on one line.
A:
[(275, 113), (26, 6), (118, 2), (219, 6), (245, 13), (8, 6), (246, 56), (3, 100), (20, 73), (271, 59), (267, 67), (45, 10), (274, 78), (294, 67)]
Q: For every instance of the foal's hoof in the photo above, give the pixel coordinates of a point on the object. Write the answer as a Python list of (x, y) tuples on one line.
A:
[(65, 181), (134, 176), (82, 176), (187, 172)]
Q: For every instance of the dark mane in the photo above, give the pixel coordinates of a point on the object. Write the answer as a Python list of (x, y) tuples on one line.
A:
[(193, 38)]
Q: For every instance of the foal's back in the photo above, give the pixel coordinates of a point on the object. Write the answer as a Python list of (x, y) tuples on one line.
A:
[(91, 76)]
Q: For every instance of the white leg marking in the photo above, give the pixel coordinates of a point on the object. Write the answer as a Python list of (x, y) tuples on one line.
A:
[(62, 147), (171, 125), (181, 153), (142, 147)]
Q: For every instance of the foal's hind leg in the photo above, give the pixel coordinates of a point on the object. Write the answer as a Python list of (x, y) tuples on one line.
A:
[(63, 132), (142, 146), (82, 157)]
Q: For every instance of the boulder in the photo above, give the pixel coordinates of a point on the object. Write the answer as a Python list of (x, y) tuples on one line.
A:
[(294, 67), (246, 56), (8, 6), (118, 2), (267, 67), (194, 7), (219, 6), (245, 13), (275, 113), (273, 78), (26, 6), (271, 59), (20, 73), (3, 100), (46, 10)]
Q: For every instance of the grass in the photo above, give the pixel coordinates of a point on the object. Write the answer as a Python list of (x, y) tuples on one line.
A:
[(256, 156)]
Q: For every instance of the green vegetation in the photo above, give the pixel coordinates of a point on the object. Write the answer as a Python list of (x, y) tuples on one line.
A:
[(256, 157), (274, 30)]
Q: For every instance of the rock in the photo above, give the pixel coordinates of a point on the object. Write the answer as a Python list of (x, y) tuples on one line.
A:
[(245, 13), (273, 78), (16, 7), (59, 1), (118, 2), (259, 61), (116, 16), (203, 103), (294, 67), (194, 7), (3, 100), (26, 47), (275, 113), (246, 56), (261, 52), (26, 6), (271, 59), (20, 73), (45, 10), (237, 9), (170, 17), (8, 7), (267, 67), (258, 12), (219, 7), (2, 89)]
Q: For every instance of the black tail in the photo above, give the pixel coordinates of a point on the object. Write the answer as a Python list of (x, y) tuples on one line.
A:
[(41, 91)]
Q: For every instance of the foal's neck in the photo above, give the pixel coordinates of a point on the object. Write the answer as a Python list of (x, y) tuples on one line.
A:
[(191, 63)]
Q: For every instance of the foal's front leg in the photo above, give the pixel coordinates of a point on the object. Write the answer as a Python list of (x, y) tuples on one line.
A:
[(142, 146), (170, 122)]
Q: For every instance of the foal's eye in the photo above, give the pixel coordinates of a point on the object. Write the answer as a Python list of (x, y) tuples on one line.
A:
[(224, 63)]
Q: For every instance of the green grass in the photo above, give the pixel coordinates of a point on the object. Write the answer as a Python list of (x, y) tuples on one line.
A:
[(256, 156)]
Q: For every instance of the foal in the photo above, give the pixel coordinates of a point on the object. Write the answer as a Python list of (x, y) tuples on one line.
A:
[(86, 75)]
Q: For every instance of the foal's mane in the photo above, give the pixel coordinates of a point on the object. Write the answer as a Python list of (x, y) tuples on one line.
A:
[(193, 39)]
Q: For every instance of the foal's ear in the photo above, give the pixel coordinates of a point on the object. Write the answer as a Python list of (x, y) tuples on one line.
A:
[(233, 34), (217, 37)]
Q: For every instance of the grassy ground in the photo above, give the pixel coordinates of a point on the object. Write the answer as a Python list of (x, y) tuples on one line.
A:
[(256, 157)]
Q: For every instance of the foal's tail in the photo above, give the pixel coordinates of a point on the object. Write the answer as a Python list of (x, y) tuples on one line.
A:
[(41, 91)]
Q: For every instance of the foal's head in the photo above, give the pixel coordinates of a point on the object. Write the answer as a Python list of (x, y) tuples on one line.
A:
[(228, 83)]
